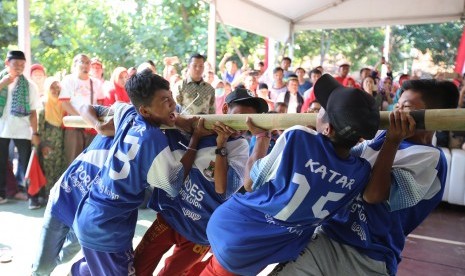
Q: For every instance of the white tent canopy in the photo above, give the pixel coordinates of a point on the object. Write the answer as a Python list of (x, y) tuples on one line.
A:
[(278, 19)]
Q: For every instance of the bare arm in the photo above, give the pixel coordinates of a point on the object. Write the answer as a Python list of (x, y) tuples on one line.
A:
[(69, 108), (90, 116), (401, 126), (381, 61), (259, 151), (34, 125), (5, 81), (189, 157), (221, 162), (245, 64), (461, 97), (223, 62)]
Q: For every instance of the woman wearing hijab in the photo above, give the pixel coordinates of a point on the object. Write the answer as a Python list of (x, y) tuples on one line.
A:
[(51, 148), (117, 93)]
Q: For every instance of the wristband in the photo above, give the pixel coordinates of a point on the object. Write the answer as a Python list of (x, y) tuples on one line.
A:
[(263, 134), (189, 148), (36, 134)]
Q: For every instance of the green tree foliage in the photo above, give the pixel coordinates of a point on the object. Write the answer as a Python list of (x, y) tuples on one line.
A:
[(123, 33), (360, 46), (128, 32), (441, 39), (8, 24)]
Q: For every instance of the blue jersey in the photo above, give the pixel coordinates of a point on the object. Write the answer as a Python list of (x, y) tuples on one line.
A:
[(189, 212), (140, 156), (300, 183), (379, 230), (74, 183)]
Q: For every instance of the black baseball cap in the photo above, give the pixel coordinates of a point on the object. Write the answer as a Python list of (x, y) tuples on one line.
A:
[(352, 112), (15, 55), (242, 95)]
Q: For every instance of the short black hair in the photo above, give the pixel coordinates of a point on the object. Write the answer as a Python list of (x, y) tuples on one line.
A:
[(299, 68), (197, 56), (277, 69), (143, 86), (435, 94), (261, 63), (315, 71), (287, 58), (363, 69)]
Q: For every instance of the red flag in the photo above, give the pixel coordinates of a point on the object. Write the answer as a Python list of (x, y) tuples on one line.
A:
[(460, 59), (34, 174)]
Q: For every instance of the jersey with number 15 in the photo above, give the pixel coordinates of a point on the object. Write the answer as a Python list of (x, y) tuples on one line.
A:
[(301, 182), (140, 156)]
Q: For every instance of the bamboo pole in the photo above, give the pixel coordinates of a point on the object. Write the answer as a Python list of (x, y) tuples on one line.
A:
[(431, 119)]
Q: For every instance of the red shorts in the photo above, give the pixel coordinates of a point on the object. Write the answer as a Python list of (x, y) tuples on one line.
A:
[(210, 267), (158, 239)]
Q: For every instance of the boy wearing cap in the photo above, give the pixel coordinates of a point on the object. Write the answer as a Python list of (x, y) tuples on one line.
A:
[(217, 173), (307, 177), (19, 101), (407, 183)]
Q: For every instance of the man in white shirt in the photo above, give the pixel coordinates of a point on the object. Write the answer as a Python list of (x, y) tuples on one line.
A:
[(292, 97), (77, 89), (19, 101)]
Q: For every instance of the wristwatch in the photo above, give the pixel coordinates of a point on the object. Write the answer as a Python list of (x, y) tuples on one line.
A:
[(221, 151)]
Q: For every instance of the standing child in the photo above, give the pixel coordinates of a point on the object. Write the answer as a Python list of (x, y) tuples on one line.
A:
[(106, 217), (306, 178), (218, 172)]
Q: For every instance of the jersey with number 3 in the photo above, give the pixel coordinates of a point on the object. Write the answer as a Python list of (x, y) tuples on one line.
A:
[(140, 156), (301, 182)]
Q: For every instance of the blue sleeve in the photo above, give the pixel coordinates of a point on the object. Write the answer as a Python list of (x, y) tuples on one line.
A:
[(414, 176), (358, 149), (237, 160)]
